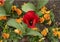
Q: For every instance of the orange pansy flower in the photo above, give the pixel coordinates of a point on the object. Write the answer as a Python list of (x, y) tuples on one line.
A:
[(55, 33), (47, 16), (34, 28), (44, 32), (5, 35), (19, 20), (3, 17), (42, 20), (58, 34), (19, 12)]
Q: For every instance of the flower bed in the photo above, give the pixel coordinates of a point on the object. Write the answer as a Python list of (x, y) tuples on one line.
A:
[(23, 22)]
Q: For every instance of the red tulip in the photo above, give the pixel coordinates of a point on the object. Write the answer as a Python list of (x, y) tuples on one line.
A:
[(31, 18), (2, 2)]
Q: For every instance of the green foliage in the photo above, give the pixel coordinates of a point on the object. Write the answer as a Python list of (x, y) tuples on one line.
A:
[(2, 11), (33, 39), (14, 36), (34, 33), (15, 40), (39, 14), (4, 40), (54, 40), (28, 6), (7, 5), (6, 8), (51, 37), (13, 23), (52, 16), (41, 3)]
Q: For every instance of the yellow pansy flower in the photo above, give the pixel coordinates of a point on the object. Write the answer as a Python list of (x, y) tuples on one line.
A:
[(47, 12), (40, 40), (1, 40), (14, 8), (49, 22), (44, 10), (18, 31), (56, 32)]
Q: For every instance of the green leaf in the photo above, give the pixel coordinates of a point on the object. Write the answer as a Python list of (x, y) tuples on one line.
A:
[(41, 3), (51, 37), (34, 33), (8, 4), (15, 40), (4, 40), (2, 12), (39, 13), (54, 40), (52, 15), (13, 23), (28, 6)]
